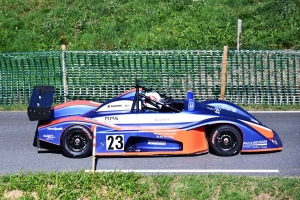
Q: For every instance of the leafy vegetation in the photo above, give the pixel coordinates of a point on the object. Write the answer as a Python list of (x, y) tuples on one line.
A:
[(35, 25), (117, 185)]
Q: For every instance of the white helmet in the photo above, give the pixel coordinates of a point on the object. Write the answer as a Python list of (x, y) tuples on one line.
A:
[(152, 95)]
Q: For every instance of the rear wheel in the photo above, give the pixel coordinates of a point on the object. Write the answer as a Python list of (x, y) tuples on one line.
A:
[(225, 140), (76, 142)]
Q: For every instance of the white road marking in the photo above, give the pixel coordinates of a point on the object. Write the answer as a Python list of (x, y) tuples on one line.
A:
[(191, 170), (287, 111)]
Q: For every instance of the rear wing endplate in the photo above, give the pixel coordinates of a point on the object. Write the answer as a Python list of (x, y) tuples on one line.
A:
[(41, 100)]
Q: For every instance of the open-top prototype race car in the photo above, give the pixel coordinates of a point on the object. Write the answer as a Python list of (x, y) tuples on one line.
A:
[(143, 122)]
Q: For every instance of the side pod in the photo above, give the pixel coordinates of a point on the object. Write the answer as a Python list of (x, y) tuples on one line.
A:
[(39, 107)]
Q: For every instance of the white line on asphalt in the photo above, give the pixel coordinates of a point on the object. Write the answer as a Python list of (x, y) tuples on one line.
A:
[(191, 171), (287, 111)]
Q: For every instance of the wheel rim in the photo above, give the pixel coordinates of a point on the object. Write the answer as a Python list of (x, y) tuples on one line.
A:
[(226, 140), (77, 141)]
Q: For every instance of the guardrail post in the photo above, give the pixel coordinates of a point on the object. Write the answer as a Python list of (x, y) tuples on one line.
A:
[(223, 78)]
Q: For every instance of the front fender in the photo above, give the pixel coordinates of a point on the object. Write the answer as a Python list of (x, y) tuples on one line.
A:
[(256, 137), (226, 105)]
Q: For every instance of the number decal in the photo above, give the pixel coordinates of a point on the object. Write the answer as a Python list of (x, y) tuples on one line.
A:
[(109, 142), (114, 142)]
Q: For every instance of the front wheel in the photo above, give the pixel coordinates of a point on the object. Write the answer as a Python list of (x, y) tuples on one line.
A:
[(225, 140), (76, 142)]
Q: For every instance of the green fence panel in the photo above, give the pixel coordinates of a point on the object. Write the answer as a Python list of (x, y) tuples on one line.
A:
[(263, 77), (20, 72), (101, 75), (253, 77)]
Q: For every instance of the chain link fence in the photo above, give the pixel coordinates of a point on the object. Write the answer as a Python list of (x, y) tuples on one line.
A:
[(252, 77)]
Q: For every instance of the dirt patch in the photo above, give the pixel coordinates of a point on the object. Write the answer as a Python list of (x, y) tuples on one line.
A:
[(35, 195), (14, 194), (263, 196)]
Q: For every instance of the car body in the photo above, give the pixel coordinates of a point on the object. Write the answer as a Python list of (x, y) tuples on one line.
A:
[(137, 123)]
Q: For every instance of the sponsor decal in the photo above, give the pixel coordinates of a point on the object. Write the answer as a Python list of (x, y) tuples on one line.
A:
[(191, 106), (54, 128), (49, 137), (111, 118), (274, 142), (154, 142), (91, 119), (217, 110), (101, 121), (108, 123), (226, 107), (256, 144), (165, 133), (161, 119), (210, 108), (117, 105), (114, 106), (253, 120)]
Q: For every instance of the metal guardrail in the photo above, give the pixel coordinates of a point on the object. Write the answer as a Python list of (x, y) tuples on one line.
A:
[(253, 77)]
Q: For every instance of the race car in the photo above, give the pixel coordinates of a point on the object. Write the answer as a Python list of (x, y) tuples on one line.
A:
[(142, 122)]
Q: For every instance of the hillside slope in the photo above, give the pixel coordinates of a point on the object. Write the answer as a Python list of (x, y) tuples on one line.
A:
[(35, 25)]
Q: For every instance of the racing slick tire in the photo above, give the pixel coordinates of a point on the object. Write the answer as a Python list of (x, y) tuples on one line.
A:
[(76, 142), (225, 140)]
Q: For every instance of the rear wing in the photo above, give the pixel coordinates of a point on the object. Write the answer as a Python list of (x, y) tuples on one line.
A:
[(39, 107)]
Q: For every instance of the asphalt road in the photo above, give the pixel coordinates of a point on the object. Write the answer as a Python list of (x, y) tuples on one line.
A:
[(18, 154)]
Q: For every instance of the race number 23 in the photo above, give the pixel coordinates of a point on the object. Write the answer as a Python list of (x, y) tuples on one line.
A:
[(114, 142)]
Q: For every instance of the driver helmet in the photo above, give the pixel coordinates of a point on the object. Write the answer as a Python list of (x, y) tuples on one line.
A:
[(152, 95)]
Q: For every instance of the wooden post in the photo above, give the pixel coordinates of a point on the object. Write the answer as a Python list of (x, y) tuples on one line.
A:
[(93, 163), (94, 130), (64, 71), (239, 34), (223, 78)]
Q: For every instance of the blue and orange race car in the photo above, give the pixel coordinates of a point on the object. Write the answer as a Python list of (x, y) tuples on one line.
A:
[(142, 122)]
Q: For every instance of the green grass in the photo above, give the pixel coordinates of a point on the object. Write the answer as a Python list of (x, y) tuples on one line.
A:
[(270, 107), (38, 25), (254, 107), (13, 107), (117, 185)]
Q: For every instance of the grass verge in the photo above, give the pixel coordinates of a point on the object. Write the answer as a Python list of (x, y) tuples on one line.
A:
[(117, 185), (254, 107)]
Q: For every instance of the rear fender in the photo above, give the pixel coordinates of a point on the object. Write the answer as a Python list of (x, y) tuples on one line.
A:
[(52, 133), (74, 108)]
